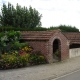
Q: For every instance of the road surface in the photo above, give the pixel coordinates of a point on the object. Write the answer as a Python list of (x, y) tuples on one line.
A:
[(71, 76)]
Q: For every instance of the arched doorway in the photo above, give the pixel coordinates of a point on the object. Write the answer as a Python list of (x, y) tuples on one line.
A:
[(57, 49)]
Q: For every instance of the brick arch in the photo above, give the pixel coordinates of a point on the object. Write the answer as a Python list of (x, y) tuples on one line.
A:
[(50, 48), (64, 47), (57, 49)]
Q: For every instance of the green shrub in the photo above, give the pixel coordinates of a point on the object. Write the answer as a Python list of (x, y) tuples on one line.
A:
[(24, 59), (7, 39), (56, 53), (14, 54), (15, 60), (8, 61), (37, 58), (17, 45), (11, 61), (9, 28)]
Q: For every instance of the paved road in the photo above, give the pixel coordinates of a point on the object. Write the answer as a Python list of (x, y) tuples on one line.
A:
[(71, 76)]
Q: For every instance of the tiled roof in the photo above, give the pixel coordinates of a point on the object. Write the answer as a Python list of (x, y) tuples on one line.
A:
[(37, 35), (73, 37)]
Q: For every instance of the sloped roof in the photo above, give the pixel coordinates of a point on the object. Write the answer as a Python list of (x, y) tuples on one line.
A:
[(37, 35), (73, 37)]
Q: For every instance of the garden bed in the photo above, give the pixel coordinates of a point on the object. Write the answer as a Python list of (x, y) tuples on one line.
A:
[(14, 54)]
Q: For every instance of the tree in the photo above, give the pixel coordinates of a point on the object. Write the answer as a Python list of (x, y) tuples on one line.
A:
[(65, 28), (19, 16), (68, 28)]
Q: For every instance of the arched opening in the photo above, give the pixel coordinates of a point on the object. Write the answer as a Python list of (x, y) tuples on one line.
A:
[(57, 49)]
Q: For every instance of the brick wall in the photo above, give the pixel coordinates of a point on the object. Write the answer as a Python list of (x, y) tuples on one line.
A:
[(46, 47), (39, 46)]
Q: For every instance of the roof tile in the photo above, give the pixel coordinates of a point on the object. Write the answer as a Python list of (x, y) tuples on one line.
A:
[(73, 37), (37, 35)]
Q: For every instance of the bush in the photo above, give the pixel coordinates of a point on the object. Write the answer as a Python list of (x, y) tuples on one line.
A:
[(36, 58), (8, 61), (24, 59), (7, 28), (14, 54), (11, 61), (7, 39)]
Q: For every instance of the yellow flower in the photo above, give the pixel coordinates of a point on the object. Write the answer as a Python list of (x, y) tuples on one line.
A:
[(23, 49), (5, 53), (16, 52), (42, 57)]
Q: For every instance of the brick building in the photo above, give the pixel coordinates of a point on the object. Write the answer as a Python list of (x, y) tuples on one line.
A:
[(48, 42)]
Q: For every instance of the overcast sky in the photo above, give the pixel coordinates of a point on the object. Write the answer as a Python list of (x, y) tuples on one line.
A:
[(54, 12)]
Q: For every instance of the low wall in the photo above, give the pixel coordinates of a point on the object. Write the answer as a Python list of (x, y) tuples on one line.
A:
[(74, 52)]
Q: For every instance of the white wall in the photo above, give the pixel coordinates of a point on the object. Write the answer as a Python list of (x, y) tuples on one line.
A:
[(74, 52)]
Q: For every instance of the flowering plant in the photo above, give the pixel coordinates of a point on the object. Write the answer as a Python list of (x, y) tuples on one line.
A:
[(14, 54)]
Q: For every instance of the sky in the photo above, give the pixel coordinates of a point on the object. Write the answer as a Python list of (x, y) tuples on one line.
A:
[(54, 12)]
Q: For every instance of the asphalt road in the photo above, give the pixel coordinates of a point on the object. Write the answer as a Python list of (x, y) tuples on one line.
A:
[(71, 76)]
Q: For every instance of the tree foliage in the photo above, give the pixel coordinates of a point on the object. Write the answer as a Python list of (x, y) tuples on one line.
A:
[(20, 17), (65, 28)]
